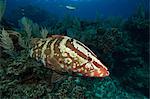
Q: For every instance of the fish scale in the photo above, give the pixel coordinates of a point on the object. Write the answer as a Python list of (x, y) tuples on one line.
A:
[(64, 54)]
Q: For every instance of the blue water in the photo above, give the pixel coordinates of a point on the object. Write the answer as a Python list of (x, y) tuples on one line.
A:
[(85, 9)]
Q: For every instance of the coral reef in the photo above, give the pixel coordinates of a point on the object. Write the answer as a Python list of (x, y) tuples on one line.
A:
[(116, 42), (138, 25), (131, 59)]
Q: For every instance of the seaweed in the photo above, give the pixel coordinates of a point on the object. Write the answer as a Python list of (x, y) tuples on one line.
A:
[(2, 8)]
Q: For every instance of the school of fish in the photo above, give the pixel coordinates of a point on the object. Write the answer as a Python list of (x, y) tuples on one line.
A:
[(67, 55)]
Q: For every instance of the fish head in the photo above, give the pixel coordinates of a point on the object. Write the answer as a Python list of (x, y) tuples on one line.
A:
[(100, 72), (96, 69), (88, 63)]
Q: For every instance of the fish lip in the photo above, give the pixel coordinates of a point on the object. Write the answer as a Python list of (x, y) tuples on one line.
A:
[(107, 74)]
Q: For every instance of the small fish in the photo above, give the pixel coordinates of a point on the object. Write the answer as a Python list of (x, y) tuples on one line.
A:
[(70, 7), (66, 55)]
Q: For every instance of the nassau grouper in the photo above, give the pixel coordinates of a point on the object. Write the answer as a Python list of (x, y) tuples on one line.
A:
[(63, 54)]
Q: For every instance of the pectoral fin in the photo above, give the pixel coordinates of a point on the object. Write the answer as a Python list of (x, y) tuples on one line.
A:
[(57, 77)]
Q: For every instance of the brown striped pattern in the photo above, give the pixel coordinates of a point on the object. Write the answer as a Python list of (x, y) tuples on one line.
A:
[(54, 52), (37, 50), (86, 48), (71, 46)]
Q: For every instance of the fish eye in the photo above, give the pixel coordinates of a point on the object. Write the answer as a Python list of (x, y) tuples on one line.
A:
[(71, 40), (89, 59)]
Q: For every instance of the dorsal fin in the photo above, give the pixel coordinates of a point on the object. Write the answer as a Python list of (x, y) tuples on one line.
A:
[(56, 36)]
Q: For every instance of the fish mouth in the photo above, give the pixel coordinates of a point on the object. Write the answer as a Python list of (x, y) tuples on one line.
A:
[(99, 74), (104, 74), (107, 73)]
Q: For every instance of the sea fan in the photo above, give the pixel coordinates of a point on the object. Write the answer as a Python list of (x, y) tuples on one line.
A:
[(44, 32), (7, 43)]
